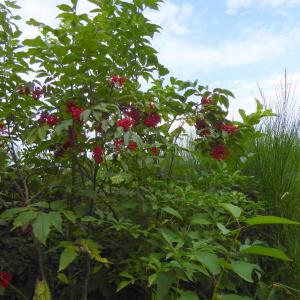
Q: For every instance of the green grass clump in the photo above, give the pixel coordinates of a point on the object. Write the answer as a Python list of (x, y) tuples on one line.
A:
[(276, 167)]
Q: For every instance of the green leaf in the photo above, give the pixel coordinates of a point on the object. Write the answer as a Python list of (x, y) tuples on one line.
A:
[(188, 295), (42, 204), (269, 220), (25, 218), (266, 251), (69, 215), (122, 285), (152, 279), (65, 7), (223, 229), (235, 211), (63, 278), (56, 220), (200, 219), (10, 213), (41, 227), (66, 258), (173, 212), (164, 283), (243, 269), (209, 260), (85, 115), (234, 297)]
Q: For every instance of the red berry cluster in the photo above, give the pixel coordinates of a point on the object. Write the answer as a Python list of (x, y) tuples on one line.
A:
[(36, 94), (98, 154), (117, 81), (126, 123), (132, 145), (50, 119), (5, 279), (210, 126), (2, 127), (75, 111)]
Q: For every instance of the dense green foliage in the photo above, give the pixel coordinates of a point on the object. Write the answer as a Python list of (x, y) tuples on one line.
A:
[(276, 168), (96, 197)]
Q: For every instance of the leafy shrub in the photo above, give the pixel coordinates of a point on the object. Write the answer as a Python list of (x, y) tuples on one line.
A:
[(90, 206)]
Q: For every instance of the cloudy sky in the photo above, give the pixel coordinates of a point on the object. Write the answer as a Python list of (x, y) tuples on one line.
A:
[(235, 44)]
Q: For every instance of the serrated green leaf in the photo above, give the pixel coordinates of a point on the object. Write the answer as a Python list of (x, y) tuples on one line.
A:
[(244, 269), (164, 283), (188, 295), (65, 7), (63, 278), (266, 251), (235, 211), (209, 260), (122, 285), (41, 227), (259, 220), (66, 258), (25, 218), (69, 215), (56, 220), (172, 211), (200, 219)]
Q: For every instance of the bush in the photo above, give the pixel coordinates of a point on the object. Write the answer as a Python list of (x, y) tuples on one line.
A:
[(90, 206)]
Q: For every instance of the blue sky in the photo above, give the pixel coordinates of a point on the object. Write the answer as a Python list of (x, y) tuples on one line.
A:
[(234, 44)]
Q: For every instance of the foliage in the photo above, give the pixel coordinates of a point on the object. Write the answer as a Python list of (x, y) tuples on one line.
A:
[(275, 165), (87, 181)]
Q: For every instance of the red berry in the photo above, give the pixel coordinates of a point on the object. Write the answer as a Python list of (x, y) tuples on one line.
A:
[(229, 128), (220, 152), (152, 119), (132, 112), (154, 151), (125, 123), (52, 120), (132, 145), (207, 101), (37, 93), (5, 279), (98, 153)]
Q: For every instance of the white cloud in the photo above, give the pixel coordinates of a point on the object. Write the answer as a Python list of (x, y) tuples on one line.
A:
[(193, 57), (233, 6), (246, 91), (45, 12), (172, 18)]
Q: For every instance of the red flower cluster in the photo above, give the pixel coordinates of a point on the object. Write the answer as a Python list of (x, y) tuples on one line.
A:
[(75, 111), (132, 112), (229, 128), (202, 127), (200, 124), (98, 153), (2, 127), (154, 151), (5, 279), (152, 119), (207, 101), (126, 123), (117, 81), (220, 152), (37, 93), (132, 145), (50, 119), (118, 144), (23, 90)]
